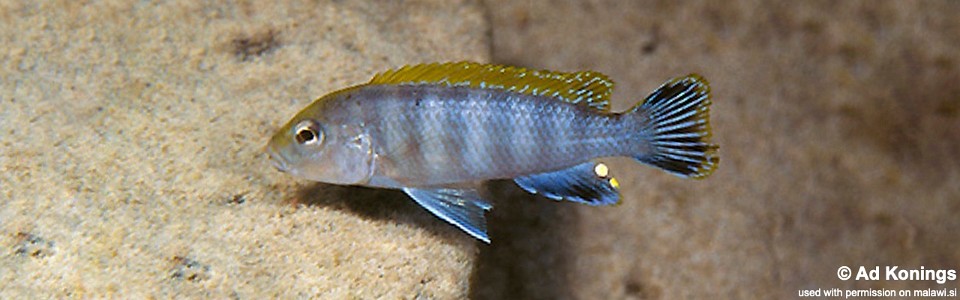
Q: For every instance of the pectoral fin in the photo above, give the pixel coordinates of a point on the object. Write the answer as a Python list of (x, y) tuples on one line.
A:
[(588, 183), (461, 207)]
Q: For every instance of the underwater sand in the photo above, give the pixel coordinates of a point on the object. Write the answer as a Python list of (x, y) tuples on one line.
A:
[(838, 125)]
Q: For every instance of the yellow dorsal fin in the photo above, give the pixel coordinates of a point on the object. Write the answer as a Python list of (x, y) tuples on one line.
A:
[(590, 88)]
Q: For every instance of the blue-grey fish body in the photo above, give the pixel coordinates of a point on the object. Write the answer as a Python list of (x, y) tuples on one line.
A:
[(430, 130), (427, 135)]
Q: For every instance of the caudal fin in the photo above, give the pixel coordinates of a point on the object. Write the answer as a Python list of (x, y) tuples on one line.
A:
[(678, 128)]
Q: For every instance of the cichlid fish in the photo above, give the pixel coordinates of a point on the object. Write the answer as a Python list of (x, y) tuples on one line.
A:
[(433, 130)]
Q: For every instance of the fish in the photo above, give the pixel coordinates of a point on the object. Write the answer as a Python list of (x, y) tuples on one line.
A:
[(436, 130)]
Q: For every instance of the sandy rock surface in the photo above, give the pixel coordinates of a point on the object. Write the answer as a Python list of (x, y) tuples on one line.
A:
[(131, 163)]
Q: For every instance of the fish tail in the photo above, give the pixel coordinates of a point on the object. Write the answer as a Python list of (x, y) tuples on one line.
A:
[(677, 128)]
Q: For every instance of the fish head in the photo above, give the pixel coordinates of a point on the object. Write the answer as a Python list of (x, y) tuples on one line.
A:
[(322, 149)]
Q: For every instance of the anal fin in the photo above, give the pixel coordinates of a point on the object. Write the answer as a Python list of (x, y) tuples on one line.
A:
[(589, 183), (461, 207)]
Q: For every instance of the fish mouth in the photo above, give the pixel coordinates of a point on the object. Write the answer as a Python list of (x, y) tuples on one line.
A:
[(277, 159)]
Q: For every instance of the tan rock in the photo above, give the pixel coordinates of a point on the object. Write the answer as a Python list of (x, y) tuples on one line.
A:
[(131, 161)]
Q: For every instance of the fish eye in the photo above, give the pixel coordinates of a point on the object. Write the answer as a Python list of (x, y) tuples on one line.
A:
[(308, 133)]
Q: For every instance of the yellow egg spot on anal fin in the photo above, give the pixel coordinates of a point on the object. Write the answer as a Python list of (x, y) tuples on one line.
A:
[(601, 170)]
